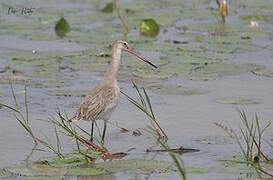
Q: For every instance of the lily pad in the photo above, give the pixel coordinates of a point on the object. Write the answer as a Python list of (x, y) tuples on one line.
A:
[(58, 82), (68, 93), (196, 170), (136, 165), (70, 160), (4, 173), (215, 70), (148, 27), (213, 140), (236, 100), (13, 77), (236, 169), (174, 90), (263, 72), (62, 27), (108, 8), (145, 166), (86, 171), (64, 168), (42, 170), (43, 178)]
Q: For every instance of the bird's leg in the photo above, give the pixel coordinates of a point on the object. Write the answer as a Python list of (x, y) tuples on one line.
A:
[(103, 134), (92, 129)]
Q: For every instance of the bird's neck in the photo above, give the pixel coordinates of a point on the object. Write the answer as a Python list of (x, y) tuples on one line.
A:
[(110, 77)]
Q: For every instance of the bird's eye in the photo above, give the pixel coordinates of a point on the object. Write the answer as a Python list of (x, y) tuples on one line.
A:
[(125, 44)]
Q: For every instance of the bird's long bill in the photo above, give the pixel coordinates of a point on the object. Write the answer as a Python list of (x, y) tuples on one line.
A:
[(140, 57)]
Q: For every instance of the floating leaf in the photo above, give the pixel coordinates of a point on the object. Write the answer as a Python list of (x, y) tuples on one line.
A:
[(196, 170), (213, 140), (57, 168), (70, 160), (44, 178), (4, 173), (239, 170), (108, 8), (86, 171), (174, 90), (233, 168), (42, 170), (137, 165), (263, 72), (62, 27), (68, 93), (215, 70), (148, 27), (236, 100), (14, 78)]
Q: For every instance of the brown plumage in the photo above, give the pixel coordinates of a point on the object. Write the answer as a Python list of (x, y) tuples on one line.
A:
[(97, 103), (102, 100)]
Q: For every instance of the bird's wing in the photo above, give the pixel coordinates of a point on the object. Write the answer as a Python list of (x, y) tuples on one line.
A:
[(96, 102)]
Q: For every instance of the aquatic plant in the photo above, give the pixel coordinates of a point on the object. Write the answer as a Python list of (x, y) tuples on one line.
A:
[(252, 131), (62, 27), (64, 123), (123, 22), (148, 27), (108, 8), (20, 116), (251, 142), (145, 106), (49, 146)]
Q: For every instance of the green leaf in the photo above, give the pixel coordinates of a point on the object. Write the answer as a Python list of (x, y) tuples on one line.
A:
[(69, 160), (148, 27), (62, 27), (108, 8)]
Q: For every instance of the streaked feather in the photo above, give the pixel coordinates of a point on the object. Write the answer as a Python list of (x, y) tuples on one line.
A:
[(98, 103)]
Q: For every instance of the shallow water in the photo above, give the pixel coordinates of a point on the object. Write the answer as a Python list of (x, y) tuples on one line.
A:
[(215, 66)]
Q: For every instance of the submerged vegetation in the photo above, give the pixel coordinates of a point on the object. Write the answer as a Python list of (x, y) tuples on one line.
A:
[(21, 116)]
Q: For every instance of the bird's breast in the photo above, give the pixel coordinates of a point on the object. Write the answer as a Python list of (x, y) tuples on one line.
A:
[(111, 106)]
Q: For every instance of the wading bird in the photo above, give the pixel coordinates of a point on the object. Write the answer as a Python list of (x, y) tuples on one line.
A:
[(102, 99), (223, 9)]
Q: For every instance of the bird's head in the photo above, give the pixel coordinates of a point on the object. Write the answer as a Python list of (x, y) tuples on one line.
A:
[(123, 45)]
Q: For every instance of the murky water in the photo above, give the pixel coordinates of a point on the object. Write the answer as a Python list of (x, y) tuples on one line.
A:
[(209, 62)]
